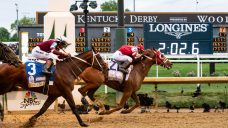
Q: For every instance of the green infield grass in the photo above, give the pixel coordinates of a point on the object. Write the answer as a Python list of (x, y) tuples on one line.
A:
[(211, 94)]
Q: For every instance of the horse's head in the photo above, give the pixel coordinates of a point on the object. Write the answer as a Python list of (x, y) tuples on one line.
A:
[(97, 61), (158, 58), (7, 55)]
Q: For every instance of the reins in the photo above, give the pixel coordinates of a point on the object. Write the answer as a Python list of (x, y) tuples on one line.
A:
[(84, 61), (150, 58), (94, 56)]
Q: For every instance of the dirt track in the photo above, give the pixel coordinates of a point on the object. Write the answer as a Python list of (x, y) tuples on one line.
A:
[(159, 119)]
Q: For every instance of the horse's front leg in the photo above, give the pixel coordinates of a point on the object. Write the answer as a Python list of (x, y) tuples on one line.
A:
[(44, 108), (69, 98), (89, 89), (137, 104), (83, 90), (93, 79), (123, 100)]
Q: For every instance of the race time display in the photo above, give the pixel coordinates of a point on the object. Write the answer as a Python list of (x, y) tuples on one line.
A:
[(179, 38)]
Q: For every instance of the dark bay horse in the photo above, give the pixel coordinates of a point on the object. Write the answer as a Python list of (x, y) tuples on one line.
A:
[(13, 73), (141, 67)]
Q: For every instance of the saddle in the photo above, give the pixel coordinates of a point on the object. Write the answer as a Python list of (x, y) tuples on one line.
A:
[(35, 76), (114, 74)]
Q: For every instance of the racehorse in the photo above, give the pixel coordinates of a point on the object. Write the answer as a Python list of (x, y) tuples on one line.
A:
[(141, 67), (13, 73)]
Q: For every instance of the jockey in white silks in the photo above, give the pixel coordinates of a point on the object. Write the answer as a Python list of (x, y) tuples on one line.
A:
[(43, 51)]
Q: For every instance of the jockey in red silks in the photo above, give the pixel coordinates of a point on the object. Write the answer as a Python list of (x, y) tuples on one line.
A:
[(44, 49), (126, 54)]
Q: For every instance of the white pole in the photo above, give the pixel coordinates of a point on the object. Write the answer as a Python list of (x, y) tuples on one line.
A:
[(201, 69), (198, 66), (156, 70)]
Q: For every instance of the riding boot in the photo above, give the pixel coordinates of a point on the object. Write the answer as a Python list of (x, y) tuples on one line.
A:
[(123, 67), (46, 86), (47, 67), (47, 72)]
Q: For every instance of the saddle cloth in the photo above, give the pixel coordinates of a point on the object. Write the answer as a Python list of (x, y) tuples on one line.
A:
[(35, 76), (114, 74)]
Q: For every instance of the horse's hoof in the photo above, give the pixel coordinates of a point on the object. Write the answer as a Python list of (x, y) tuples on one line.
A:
[(83, 124), (102, 113), (30, 123), (125, 112), (2, 116), (105, 113)]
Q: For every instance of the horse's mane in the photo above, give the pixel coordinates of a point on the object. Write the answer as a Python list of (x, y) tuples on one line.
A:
[(142, 57), (83, 53), (7, 55)]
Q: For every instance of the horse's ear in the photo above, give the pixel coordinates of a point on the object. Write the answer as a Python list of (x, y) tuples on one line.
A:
[(154, 50), (94, 49)]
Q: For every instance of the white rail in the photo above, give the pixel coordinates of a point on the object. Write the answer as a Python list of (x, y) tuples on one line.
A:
[(199, 59)]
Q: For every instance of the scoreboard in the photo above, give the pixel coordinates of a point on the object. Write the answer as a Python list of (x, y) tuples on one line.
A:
[(101, 38), (102, 29), (220, 40), (179, 38)]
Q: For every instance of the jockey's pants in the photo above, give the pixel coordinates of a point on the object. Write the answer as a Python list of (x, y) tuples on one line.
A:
[(118, 56), (39, 54)]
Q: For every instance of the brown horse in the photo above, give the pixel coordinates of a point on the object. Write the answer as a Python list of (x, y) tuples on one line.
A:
[(141, 67), (13, 73)]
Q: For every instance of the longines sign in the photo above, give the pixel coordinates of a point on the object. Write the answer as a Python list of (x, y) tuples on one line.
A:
[(178, 30), (147, 17), (179, 38)]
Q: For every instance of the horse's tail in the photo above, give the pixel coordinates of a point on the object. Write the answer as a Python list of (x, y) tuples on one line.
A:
[(7, 55)]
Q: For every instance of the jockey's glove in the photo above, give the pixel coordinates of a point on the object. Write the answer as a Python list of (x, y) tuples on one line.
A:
[(67, 54)]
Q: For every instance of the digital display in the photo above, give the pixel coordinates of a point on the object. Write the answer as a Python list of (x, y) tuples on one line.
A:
[(181, 48), (134, 36), (100, 38), (103, 39), (102, 25), (179, 38), (33, 42), (220, 41)]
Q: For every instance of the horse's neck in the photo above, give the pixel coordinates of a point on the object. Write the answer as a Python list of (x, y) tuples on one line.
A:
[(73, 66), (142, 68)]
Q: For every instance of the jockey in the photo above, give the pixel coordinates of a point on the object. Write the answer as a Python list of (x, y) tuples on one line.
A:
[(126, 54), (44, 49)]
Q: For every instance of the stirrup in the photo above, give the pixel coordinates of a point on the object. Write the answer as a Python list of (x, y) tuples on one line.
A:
[(46, 72)]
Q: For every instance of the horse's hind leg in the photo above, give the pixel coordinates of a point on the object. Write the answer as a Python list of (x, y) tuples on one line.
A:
[(135, 98), (123, 100), (89, 86), (44, 108), (70, 101), (1, 112), (91, 92)]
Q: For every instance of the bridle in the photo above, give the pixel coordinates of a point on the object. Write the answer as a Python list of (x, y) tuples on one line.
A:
[(95, 58), (157, 55)]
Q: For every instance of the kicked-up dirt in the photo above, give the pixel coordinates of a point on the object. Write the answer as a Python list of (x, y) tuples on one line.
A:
[(136, 119)]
